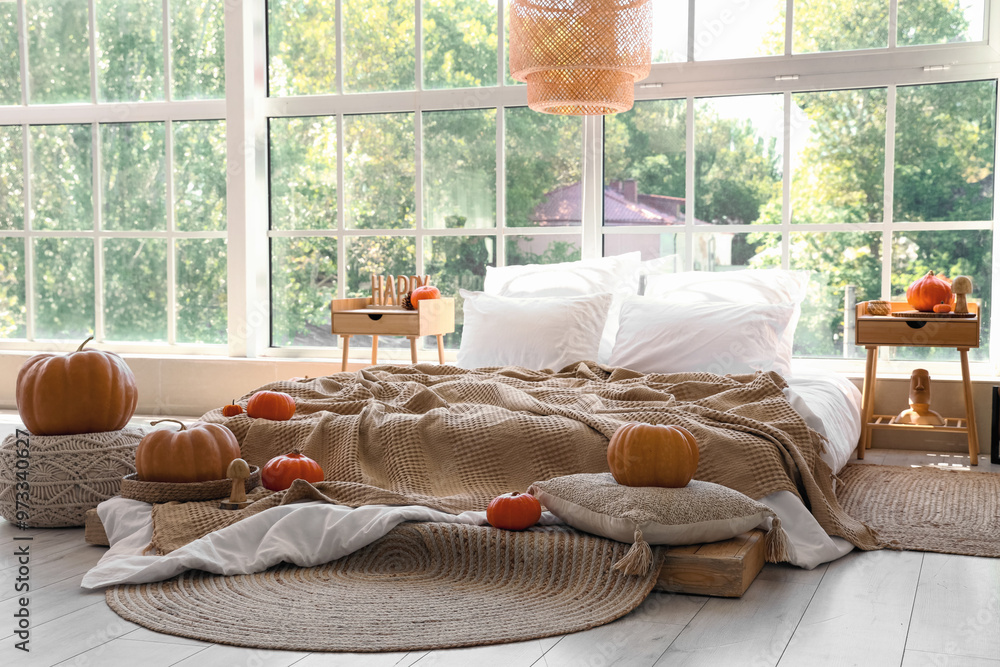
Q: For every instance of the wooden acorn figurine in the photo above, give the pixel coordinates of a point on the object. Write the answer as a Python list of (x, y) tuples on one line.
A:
[(238, 471)]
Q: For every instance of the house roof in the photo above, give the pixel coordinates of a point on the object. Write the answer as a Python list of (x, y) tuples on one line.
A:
[(564, 206)]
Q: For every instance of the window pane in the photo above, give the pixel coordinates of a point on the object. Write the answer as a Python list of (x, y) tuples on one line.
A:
[(11, 178), (460, 43), (727, 251), (460, 169), (129, 50), (303, 281), (197, 49), (10, 60), (201, 291), (200, 175), (951, 254), (12, 309), (838, 261), (135, 289), (379, 45), (133, 165), (303, 172), (61, 177), (944, 152), (645, 164), (458, 262), (670, 31), (543, 249), (838, 156), (381, 255), (738, 160), (379, 172), (544, 153), (666, 249), (923, 22), (725, 29), (64, 288), (58, 51), (834, 25), (302, 46)]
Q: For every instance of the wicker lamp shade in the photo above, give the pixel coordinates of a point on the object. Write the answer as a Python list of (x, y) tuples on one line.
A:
[(580, 57)]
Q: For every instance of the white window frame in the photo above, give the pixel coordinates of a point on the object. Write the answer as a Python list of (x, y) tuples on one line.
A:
[(247, 107)]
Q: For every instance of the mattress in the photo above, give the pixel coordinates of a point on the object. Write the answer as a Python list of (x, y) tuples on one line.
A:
[(829, 403)]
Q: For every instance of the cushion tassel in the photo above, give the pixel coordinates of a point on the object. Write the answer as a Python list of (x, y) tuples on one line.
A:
[(776, 543), (639, 558)]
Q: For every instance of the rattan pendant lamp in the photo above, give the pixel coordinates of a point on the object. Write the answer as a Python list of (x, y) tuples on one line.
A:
[(580, 57)]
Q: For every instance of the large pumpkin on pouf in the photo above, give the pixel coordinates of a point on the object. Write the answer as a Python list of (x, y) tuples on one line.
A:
[(196, 453), (929, 291), (85, 391), (653, 455), (275, 405), (279, 473)]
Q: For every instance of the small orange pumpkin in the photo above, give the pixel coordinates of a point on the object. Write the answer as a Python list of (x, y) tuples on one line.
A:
[(653, 455), (942, 308), (514, 511), (274, 405), (422, 293), (279, 473), (232, 410), (929, 291), (197, 453), (85, 391)]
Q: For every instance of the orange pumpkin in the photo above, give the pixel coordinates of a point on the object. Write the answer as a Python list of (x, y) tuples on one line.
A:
[(274, 405), (942, 308), (421, 293), (279, 473), (514, 511), (85, 391), (927, 292), (197, 453), (653, 455), (232, 410)]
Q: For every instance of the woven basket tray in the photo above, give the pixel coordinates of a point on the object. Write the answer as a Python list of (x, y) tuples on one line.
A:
[(164, 492)]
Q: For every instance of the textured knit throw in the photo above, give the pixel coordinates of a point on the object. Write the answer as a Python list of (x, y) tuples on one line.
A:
[(454, 439)]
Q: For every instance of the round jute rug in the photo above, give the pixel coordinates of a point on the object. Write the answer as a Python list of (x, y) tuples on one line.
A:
[(421, 586), (926, 509)]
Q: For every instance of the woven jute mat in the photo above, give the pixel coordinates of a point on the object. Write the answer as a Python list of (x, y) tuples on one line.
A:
[(421, 586), (926, 509)]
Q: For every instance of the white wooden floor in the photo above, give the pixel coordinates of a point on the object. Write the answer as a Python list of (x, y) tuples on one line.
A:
[(878, 608)]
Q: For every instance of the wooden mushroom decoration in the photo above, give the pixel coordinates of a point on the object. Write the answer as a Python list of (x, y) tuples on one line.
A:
[(238, 472), (961, 286)]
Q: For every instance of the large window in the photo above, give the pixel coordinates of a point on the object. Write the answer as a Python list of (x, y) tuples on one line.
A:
[(113, 176), (851, 138)]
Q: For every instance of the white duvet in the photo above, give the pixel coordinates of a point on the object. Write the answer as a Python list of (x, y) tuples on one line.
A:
[(313, 533)]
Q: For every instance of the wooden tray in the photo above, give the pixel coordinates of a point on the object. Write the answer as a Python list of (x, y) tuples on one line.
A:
[(932, 316)]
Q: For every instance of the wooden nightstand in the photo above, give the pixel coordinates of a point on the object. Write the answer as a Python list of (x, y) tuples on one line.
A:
[(873, 331), (354, 317)]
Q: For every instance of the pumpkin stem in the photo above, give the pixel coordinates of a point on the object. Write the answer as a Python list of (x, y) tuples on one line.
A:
[(160, 421), (80, 349)]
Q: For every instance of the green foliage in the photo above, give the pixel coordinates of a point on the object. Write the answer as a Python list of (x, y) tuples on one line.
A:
[(379, 45), (11, 177), (922, 22), (302, 47), (460, 168), (543, 153), (58, 51), (13, 314), (61, 177), (64, 288), (133, 174), (460, 43), (129, 50), (839, 25), (197, 42), (303, 160), (380, 171), (202, 313), (135, 293), (10, 59), (200, 175)]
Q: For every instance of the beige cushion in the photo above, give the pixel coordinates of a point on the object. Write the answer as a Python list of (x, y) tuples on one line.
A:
[(698, 513)]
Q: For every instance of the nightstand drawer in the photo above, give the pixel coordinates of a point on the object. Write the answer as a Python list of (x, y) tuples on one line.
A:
[(923, 333), (397, 324)]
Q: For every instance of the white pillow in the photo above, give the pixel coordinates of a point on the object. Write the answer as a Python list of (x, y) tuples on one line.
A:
[(539, 332), (662, 336), (617, 275), (762, 286)]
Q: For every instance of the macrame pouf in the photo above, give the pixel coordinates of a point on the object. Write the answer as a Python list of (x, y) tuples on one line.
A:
[(66, 475)]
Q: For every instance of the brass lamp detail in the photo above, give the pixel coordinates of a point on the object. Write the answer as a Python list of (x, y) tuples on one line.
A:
[(580, 57)]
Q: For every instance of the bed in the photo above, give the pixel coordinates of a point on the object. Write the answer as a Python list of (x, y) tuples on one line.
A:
[(563, 325)]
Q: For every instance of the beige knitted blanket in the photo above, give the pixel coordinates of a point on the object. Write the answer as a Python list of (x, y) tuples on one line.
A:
[(453, 439)]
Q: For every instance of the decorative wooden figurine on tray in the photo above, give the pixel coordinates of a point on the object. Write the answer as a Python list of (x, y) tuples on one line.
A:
[(919, 411)]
